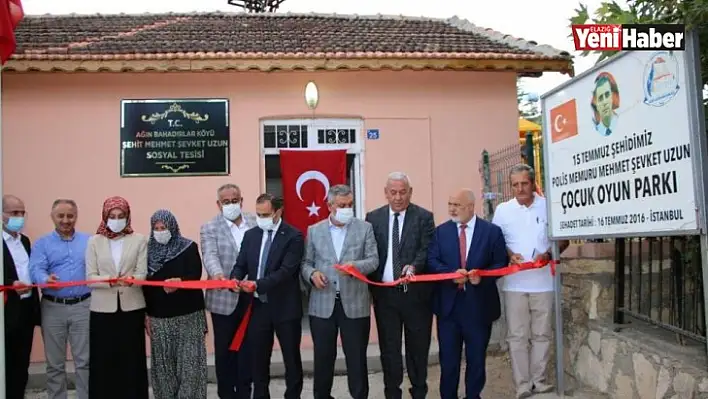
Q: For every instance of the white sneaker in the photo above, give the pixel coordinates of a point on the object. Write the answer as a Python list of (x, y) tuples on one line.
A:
[(540, 387)]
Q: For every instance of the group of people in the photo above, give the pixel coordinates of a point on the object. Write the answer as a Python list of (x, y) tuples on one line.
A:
[(105, 323)]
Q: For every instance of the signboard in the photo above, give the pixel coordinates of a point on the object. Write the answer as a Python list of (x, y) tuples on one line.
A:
[(188, 137), (618, 149), (373, 134)]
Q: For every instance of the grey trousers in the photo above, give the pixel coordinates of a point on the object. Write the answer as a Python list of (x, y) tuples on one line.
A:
[(529, 319), (62, 323)]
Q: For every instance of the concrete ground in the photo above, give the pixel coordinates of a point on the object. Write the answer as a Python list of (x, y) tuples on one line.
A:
[(499, 385)]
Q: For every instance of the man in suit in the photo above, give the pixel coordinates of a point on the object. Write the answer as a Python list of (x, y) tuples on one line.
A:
[(221, 240), (270, 256), (466, 307), (22, 312), (402, 232), (339, 303)]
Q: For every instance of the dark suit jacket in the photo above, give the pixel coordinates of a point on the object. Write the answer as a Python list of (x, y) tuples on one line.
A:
[(281, 279), (12, 307), (487, 251), (418, 227)]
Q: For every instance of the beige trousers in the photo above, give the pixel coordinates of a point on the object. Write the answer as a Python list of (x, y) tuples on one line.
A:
[(529, 323)]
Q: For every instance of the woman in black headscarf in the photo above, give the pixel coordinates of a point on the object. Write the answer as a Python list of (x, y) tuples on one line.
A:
[(176, 320)]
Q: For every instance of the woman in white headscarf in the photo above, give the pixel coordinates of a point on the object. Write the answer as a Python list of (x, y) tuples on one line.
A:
[(176, 320)]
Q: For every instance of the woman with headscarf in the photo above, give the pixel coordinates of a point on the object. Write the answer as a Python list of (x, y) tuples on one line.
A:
[(176, 319), (117, 360)]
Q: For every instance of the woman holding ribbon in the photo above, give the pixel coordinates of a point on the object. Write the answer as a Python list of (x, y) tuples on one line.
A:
[(176, 320), (117, 362)]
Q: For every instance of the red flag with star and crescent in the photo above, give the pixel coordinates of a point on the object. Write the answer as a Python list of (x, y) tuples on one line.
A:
[(307, 176), (11, 13)]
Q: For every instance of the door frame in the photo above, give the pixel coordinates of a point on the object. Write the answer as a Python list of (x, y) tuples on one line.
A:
[(357, 149)]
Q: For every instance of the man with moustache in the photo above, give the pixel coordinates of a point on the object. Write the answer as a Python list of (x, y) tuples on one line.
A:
[(466, 307), (528, 295), (403, 231), (22, 312), (340, 304), (60, 257), (270, 256), (221, 240)]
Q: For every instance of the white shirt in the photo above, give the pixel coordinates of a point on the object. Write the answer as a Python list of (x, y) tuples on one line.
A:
[(468, 237), (264, 239), (388, 268), (237, 231), (525, 233), (117, 252), (21, 259), (338, 235)]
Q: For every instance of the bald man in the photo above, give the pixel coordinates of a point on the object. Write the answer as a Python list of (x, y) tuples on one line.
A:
[(466, 307), (22, 306)]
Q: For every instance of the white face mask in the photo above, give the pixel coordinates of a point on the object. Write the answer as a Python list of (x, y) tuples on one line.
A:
[(265, 224), (116, 225), (231, 211), (162, 237), (344, 215)]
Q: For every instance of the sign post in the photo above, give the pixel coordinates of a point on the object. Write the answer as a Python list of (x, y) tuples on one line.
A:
[(624, 152)]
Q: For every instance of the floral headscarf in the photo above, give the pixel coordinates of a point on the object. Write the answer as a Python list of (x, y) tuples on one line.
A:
[(159, 254), (109, 205)]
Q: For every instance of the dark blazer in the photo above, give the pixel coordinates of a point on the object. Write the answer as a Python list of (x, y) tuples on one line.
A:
[(186, 266), (487, 251), (12, 307), (281, 278), (418, 228)]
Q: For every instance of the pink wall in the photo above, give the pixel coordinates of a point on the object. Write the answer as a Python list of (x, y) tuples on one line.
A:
[(61, 135)]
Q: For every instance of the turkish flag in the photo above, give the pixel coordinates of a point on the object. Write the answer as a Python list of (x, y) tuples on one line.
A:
[(307, 177), (564, 121), (11, 13)]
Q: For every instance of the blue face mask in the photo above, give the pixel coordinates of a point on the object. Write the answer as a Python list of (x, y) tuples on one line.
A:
[(15, 223)]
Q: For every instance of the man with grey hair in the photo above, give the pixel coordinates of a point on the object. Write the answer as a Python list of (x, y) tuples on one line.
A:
[(528, 295), (403, 231), (221, 239), (22, 312), (338, 302), (466, 307), (61, 256)]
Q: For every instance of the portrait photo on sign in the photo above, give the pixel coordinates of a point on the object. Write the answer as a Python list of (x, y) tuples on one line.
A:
[(604, 102)]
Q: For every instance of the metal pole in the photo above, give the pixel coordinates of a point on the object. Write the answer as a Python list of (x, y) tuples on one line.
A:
[(2, 273), (560, 367), (699, 147)]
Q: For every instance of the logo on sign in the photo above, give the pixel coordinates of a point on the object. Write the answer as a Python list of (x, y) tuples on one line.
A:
[(634, 37), (564, 121), (661, 79)]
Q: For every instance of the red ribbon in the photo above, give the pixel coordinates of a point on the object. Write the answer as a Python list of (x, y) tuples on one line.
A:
[(423, 278)]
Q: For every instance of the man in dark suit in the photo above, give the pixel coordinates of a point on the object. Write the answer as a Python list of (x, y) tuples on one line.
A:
[(402, 232), (22, 312), (270, 256), (466, 307)]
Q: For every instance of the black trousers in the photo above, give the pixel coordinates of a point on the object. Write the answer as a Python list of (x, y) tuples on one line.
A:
[(398, 313), (18, 346), (260, 342), (233, 374), (117, 358), (355, 339)]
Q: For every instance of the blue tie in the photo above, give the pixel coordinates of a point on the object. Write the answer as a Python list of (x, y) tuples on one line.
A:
[(264, 261)]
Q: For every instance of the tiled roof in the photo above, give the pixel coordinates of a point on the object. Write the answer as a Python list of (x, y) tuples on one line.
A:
[(233, 36)]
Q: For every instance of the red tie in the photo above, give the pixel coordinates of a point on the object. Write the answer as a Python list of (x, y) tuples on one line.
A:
[(463, 250)]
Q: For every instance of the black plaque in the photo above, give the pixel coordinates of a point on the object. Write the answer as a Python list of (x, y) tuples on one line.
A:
[(187, 137)]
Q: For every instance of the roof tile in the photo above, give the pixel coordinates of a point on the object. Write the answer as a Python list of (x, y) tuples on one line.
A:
[(234, 35)]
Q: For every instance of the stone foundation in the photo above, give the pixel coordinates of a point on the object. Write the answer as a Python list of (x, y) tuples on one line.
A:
[(632, 361)]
